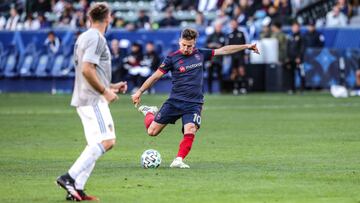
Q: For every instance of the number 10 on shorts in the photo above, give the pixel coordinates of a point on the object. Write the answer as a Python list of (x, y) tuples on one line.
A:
[(197, 119)]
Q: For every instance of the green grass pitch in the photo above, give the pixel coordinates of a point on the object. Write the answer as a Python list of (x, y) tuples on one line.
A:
[(254, 148)]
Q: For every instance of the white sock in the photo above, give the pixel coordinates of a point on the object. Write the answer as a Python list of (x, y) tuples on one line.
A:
[(83, 177), (87, 158)]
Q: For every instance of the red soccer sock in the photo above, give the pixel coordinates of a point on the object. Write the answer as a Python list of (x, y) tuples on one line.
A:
[(149, 118), (185, 145)]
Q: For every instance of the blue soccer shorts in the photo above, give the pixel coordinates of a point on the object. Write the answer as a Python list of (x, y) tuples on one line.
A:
[(173, 109)]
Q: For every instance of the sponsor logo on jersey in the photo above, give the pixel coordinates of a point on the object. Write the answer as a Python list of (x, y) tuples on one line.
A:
[(183, 69), (192, 66), (197, 56)]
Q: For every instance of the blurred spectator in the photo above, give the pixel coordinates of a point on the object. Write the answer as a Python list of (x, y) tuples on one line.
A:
[(66, 16), (58, 7), (151, 60), (40, 6), (143, 20), (31, 23), (335, 18), (229, 7), (84, 5), (160, 5), (295, 50), (185, 5), (118, 72), (169, 20), (345, 8), (245, 7), (284, 9), (132, 63), (44, 24), (78, 20), (200, 19), (240, 16), (13, 21), (2, 22), (207, 5), (277, 33), (313, 38), (274, 15), (222, 17), (266, 29), (52, 43), (262, 10), (266, 4), (119, 23), (215, 41), (238, 74)]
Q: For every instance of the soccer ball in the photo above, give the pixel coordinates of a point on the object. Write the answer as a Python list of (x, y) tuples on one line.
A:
[(150, 159)]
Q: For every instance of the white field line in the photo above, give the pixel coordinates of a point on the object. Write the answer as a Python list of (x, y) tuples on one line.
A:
[(210, 108)]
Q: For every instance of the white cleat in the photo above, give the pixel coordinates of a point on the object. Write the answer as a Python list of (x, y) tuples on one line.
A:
[(148, 109), (178, 163)]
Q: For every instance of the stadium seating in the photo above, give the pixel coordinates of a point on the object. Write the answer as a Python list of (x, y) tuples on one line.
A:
[(11, 62), (22, 54), (43, 64), (27, 60)]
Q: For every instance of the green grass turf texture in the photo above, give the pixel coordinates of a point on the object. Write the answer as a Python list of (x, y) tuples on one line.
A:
[(253, 148)]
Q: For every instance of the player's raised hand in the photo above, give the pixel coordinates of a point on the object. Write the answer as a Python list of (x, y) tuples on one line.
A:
[(119, 87), (110, 95), (254, 48), (136, 98)]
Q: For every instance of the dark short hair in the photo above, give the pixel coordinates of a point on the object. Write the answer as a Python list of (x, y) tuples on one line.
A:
[(189, 34), (51, 33), (277, 23), (295, 22), (98, 12)]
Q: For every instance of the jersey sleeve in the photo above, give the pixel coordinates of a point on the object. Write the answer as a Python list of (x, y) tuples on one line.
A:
[(166, 65), (208, 53), (92, 50)]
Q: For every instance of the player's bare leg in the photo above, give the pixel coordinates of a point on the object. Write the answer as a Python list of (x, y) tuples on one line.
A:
[(155, 128), (185, 146)]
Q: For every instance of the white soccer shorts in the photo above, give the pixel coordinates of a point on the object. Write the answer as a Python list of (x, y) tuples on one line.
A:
[(97, 122)]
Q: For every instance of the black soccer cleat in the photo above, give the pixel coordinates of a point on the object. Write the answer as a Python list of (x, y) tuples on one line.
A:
[(69, 197), (67, 183), (83, 195)]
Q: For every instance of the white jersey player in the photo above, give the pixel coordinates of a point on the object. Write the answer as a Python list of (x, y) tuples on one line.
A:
[(92, 94)]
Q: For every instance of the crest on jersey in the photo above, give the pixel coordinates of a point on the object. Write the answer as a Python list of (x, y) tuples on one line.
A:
[(162, 65), (197, 56), (182, 69), (158, 115), (181, 62), (110, 127)]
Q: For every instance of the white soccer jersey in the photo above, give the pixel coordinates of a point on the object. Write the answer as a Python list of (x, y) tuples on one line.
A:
[(90, 47)]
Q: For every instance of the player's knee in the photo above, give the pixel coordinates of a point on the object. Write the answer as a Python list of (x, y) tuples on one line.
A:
[(190, 129), (108, 144), (152, 132)]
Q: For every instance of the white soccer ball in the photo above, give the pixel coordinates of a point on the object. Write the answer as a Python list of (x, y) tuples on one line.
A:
[(150, 159)]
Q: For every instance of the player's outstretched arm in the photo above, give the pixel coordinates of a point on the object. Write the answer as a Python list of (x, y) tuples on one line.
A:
[(147, 84), (89, 72), (230, 49)]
